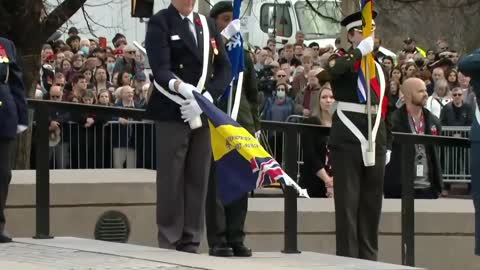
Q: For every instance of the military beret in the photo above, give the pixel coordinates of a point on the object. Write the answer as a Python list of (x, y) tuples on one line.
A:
[(354, 20), (221, 7)]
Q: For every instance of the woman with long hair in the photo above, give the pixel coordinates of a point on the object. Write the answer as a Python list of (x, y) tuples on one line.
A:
[(316, 171)]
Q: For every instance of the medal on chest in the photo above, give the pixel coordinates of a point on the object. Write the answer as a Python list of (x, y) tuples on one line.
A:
[(214, 46)]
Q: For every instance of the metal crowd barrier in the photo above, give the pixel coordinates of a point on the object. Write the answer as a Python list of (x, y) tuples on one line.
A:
[(103, 145), (455, 161), (290, 133), (100, 146)]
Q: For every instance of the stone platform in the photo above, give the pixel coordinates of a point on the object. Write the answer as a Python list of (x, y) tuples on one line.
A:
[(70, 253), (444, 228)]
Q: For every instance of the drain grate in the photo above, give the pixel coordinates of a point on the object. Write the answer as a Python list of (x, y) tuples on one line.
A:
[(112, 226)]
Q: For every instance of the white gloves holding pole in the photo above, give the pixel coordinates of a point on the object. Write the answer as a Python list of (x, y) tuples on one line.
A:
[(189, 108), (366, 46)]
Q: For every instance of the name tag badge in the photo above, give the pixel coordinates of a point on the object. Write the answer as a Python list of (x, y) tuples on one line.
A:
[(175, 37), (420, 171)]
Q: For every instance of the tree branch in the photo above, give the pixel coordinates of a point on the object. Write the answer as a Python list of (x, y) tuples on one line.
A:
[(58, 17)]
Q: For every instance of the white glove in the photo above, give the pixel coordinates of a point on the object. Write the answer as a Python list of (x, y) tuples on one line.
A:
[(366, 46), (387, 157), (186, 90), (232, 29), (190, 109), (258, 133), (208, 96), (21, 128)]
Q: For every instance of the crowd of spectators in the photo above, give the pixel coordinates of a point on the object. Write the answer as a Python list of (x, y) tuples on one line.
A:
[(290, 82)]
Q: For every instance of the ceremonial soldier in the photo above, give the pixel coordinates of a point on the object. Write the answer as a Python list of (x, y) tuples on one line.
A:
[(13, 120), (358, 177), (225, 222), (470, 66), (186, 54)]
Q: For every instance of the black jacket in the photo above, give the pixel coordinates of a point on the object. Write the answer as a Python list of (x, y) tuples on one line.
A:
[(314, 147), (458, 116), (343, 72), (13, 106), (172, 51), (399, 167)]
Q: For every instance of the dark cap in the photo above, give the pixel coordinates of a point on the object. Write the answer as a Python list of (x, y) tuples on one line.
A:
[(73, 30), (355, 20), (71, 39), (117, 38), (221, 7), (408, 40)]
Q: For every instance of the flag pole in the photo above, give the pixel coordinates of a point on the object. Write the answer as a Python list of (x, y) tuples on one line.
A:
[(370, 155)]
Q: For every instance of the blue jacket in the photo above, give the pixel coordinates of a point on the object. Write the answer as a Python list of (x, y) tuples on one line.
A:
[(13, 106), (171, 51)]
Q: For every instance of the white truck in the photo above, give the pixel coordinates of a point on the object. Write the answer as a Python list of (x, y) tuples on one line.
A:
[(282, 19)]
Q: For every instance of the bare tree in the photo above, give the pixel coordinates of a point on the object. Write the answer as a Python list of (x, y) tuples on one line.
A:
[(28, 24)]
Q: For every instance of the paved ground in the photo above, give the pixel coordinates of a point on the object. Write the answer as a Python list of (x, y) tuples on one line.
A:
[(67, 253), (63, 258)]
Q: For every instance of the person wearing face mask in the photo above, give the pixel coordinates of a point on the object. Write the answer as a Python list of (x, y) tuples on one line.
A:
[(280, 106), (85, 47)]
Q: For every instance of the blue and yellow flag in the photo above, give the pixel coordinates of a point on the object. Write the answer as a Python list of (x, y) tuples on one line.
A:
[(241, 163)]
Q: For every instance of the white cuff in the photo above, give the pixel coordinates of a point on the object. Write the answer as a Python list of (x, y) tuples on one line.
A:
[(21, 128), (171, 84), (208, 96)]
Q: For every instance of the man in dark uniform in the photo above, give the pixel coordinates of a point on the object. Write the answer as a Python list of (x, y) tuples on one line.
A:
[(470, 66), (186, 54), (13, 120), (225, 223), (358, 176)]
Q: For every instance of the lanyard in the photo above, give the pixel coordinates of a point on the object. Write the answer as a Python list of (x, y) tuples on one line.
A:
[(420, 126)]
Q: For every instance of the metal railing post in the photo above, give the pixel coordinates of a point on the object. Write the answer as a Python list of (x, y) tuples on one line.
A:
[(42, 185), (408, 209), (290, 213)]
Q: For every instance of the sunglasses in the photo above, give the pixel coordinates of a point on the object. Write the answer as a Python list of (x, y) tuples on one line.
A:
[(457, 95), (281, 76)]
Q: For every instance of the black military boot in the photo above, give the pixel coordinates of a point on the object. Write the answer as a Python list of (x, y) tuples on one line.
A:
[(240, 250), (4, 237), (221, 250)]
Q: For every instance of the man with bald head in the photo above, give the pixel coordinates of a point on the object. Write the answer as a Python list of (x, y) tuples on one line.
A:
[(423, 165)]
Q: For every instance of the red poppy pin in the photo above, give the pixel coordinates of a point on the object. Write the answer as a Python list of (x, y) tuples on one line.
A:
[(198, 22), (434, 130), (3, 55)]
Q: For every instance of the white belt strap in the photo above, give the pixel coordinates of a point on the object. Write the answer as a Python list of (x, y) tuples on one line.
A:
[(349, 124), (203, 77), (201, 82), (356, 107), (477, 114)]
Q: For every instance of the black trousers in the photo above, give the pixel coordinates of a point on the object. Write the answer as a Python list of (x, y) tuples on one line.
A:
[(6, 163), (358, 201), (225, 223)]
